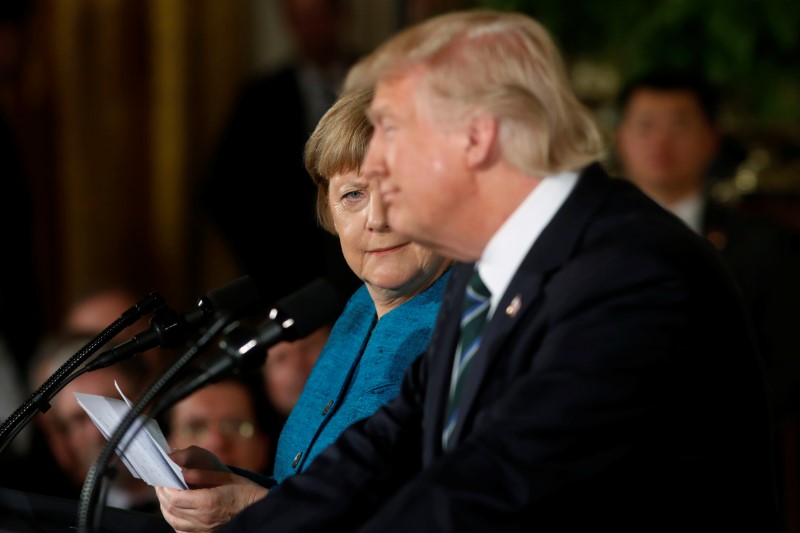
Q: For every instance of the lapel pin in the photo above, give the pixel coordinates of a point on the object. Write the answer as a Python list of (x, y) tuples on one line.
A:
[(513, 307)]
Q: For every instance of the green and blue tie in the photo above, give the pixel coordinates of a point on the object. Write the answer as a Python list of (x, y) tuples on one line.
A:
[(473, 318)]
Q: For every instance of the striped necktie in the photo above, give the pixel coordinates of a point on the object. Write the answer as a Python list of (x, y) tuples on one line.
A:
[(473, 318)]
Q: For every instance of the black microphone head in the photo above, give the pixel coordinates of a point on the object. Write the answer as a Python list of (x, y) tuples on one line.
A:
[(308, 309), (237, 298)]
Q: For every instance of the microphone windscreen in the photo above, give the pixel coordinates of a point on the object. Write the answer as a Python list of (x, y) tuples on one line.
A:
[(313, 306), (238, 297)]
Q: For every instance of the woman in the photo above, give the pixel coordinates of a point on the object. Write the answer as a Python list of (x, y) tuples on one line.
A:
[(385, 325)]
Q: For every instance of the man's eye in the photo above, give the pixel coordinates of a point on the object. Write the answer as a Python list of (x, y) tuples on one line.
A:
[(385, 127)]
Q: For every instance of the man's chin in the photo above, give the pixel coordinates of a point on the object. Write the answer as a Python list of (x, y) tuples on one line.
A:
[(410, 233)]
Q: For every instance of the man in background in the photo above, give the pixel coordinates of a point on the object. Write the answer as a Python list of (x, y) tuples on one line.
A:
[(287, 368), (667, 140), (231, 418)]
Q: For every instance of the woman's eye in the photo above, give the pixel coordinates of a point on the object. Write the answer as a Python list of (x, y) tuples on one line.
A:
[(353, 196)]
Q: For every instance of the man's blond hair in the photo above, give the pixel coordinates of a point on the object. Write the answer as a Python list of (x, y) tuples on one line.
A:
[(505, 63)]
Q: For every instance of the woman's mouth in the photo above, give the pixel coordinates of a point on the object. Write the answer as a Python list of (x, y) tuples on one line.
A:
[(386, 249)]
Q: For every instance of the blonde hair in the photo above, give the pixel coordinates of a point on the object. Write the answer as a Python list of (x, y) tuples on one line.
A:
[(505, 63), (338, 144)]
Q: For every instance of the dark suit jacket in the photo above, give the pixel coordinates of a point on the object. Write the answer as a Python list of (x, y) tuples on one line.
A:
[(616, 388)]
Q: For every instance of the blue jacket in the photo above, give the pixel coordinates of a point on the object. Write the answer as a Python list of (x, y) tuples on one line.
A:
[(360, 369)]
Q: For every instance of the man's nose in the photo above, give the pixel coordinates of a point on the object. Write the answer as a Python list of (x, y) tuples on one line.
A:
[(377, 211)]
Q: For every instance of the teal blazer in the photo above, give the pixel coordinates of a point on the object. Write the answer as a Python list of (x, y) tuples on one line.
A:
[(359, 370)]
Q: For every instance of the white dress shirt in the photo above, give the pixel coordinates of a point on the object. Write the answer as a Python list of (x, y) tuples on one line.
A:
[(510, 244)]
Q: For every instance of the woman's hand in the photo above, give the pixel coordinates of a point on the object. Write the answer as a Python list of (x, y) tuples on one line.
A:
[(215, 495)]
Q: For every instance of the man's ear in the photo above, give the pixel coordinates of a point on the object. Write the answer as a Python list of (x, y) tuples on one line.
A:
[(483, 131)]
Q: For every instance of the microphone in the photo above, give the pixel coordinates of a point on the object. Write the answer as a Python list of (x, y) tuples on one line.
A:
[(244, 348), (170, 329)]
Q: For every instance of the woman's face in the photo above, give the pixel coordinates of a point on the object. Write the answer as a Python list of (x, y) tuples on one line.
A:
[(394, 268)]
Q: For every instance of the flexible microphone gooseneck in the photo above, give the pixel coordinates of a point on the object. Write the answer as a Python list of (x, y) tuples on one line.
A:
[(39, 401), (170, 329)]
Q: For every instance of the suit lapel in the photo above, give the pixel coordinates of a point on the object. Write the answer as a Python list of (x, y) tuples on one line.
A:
[(551, 250)]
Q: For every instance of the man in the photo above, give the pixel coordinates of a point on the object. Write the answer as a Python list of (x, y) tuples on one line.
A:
[(72, 438), (667, 140), (614, 386), (230, 418), (288, 366)]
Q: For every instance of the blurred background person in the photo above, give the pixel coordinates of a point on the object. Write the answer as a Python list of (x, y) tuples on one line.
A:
[(259, 155), (65, 442), (99, 307), (232, 419), (72, 439), (287, 368), (667, 141)]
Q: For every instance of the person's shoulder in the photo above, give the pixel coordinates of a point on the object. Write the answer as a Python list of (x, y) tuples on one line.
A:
[(630, 218), (630, 228)]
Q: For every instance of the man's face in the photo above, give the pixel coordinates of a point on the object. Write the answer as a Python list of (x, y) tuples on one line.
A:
[(82, 440), (419, 159), (221, 419), (288, 366), (665, 142)]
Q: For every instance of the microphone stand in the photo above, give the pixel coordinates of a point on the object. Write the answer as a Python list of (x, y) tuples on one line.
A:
[(39, 401), (89, 492)]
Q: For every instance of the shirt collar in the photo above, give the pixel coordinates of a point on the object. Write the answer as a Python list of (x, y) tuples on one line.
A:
[(690, 210), (510, 244)]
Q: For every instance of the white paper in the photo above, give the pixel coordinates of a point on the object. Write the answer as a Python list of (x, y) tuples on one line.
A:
[(146, 454)]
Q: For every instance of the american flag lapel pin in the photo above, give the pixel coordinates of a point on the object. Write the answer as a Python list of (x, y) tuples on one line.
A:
[(513, 307)]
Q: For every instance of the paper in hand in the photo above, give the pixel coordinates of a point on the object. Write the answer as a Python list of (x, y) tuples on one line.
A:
[(145, 448)]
